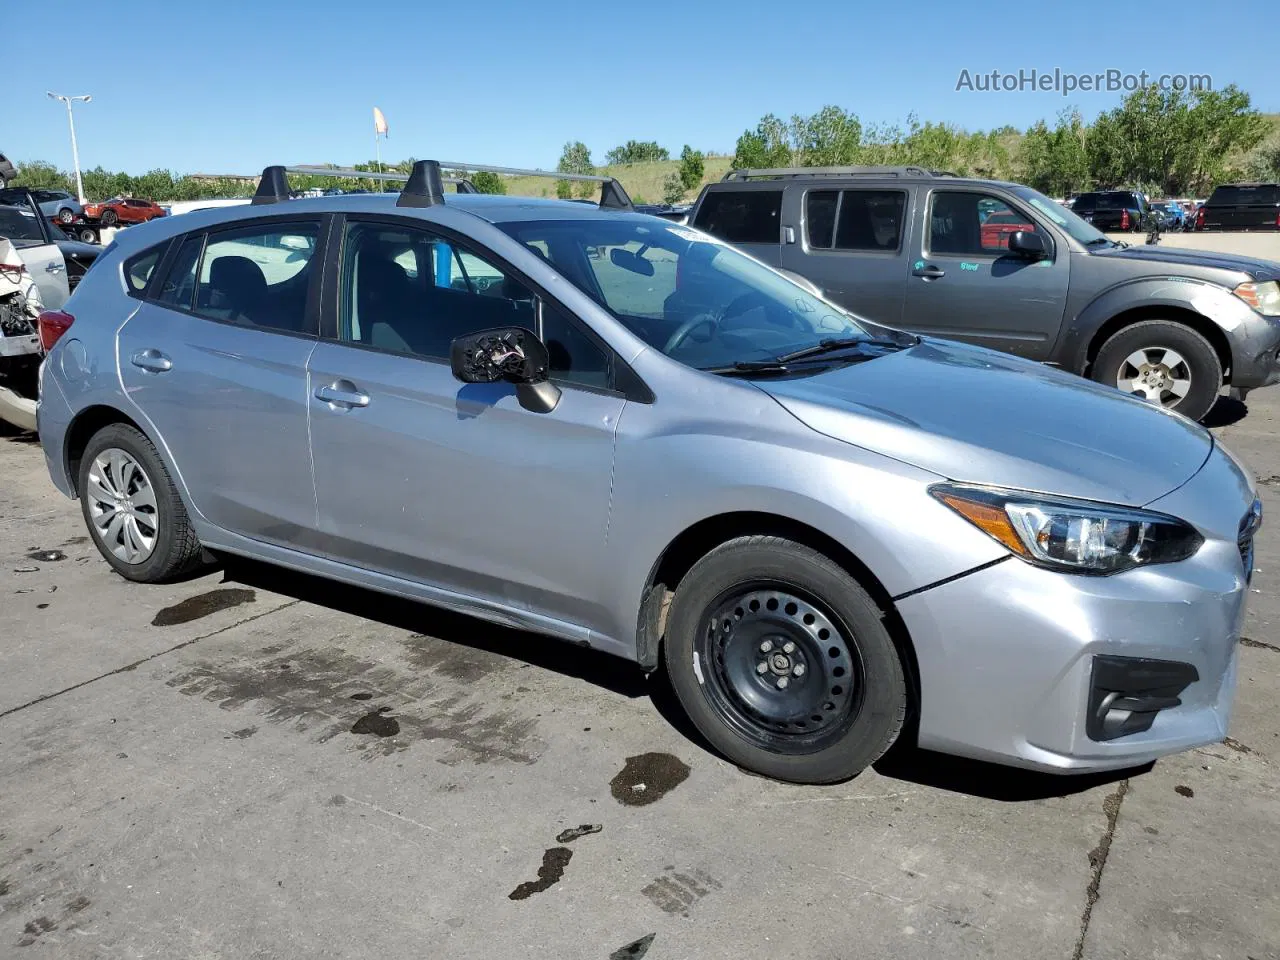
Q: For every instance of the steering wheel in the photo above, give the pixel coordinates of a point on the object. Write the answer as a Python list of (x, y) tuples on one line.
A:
[(739, 304)]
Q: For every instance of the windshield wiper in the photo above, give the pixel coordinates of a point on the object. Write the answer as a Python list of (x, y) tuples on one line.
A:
[(842, 343)]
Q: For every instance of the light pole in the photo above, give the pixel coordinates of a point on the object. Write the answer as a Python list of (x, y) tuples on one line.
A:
[(75, 152)]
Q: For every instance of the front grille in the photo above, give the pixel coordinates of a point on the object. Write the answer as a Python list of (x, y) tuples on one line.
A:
[(1248, 528)]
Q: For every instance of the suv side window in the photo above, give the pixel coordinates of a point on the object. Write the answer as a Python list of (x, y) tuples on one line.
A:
[(855, 219), (257, 276), (742, 216), (973, 224), (408, 291)]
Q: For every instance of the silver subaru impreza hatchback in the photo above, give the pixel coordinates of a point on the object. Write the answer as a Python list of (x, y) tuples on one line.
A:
[(614, 430)]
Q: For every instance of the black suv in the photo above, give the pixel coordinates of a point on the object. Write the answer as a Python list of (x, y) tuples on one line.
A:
[(1241, 206), (1003, 266), (1114, 210)]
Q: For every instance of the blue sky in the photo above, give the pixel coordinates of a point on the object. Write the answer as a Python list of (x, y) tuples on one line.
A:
[(231, 87)]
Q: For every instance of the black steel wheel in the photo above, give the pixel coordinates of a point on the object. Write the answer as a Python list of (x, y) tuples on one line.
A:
[(782, 661), (780, 670)]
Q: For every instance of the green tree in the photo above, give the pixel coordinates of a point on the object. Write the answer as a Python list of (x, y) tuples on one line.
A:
[(831, 137), (575, 158), (672, 188), (768, 145), (487, 182), (1055, 161), (564, 189), (39, 175), (637, 151), (692, 168)]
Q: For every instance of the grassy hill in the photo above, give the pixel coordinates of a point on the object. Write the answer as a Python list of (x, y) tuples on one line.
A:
[(643, 181)]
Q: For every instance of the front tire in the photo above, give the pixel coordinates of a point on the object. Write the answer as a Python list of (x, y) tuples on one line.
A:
[(1163, 362), (782, 661), (133, 510), (110, 218)]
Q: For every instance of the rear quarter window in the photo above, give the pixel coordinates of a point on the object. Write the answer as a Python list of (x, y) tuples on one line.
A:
[(745, 216), (139, 268)]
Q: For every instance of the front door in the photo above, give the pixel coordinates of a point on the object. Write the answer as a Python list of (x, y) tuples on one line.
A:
[(964, 284), (457, 485), (215, 357)]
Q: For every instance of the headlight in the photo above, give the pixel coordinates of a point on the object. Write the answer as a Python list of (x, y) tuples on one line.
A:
[(1073, 535), (1263, 297)]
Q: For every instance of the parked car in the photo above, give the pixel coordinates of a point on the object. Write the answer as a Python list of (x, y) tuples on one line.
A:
[(1114, 210), (673, 454), (907, 248), (58, 205), (1169, 213), (39, 266), (1241, 206), (123, 210), (7, 171)]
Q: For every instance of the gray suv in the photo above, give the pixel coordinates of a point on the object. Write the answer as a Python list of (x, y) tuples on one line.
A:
[(1000, 265), (615, 430)]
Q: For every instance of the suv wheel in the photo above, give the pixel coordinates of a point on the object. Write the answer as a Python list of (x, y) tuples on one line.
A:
[(1164, 362), (783, 663), (132, 508), (66, 215)]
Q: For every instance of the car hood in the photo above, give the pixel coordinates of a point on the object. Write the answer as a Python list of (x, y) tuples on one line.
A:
[(81, 251), (1175, 256), (977, 416)]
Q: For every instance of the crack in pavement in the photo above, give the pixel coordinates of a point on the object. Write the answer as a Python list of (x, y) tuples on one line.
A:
[(137, 663), (1098, 861)]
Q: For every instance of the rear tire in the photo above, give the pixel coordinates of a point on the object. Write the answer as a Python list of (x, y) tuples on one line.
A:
[(66, 215), (782, 661), (133, 510), (1159, 342)]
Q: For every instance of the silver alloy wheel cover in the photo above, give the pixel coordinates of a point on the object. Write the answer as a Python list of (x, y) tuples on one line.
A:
[(122, 506), (1159, 374)]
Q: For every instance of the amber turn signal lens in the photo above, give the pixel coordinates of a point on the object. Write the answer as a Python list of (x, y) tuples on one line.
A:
[(990, 519)]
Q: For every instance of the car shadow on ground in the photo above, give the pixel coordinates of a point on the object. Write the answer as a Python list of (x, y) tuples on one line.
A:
[(904, 762), (1225, 412)]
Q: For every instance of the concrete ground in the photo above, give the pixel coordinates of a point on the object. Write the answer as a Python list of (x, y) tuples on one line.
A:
[(261, 765)]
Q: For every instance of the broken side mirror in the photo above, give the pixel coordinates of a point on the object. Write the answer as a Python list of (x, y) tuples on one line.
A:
[(511, 355)]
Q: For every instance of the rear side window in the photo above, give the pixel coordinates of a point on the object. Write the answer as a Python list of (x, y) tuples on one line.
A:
[(746, 216), (137, 271), (257, 276), (855, 219)]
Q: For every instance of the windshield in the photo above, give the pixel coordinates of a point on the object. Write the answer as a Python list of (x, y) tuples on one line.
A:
[(1063, 217), (685, 293), (20, 226)]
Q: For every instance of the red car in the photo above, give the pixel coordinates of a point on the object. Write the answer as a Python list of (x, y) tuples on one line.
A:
[(122, 210), (1000, 226)]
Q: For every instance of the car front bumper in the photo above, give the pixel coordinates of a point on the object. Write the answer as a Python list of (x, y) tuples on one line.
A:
[(1011, 657), (1255, 352)]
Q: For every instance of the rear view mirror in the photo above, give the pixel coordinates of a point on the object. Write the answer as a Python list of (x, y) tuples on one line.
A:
[(511, 355), (1029, 244), (631, 261)]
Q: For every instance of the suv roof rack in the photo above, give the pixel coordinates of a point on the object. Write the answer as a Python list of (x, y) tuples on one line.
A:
[(424, 184), (779, 173)]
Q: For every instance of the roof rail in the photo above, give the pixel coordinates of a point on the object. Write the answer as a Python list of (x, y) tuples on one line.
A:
[(424, 185), (778, 173)]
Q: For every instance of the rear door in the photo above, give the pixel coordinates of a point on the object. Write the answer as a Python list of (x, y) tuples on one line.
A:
[(215, 357), (21, 224), (748, 215), (851, 242), (965, 284)]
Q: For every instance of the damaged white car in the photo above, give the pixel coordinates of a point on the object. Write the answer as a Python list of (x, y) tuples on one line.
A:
[(39, 266)]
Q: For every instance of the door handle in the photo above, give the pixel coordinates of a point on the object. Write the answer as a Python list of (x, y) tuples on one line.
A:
[(152, 360), (53, 267), (342, 393), (929, 272)]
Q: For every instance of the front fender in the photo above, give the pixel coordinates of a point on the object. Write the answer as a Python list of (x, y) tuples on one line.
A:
[(1216, 304)]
